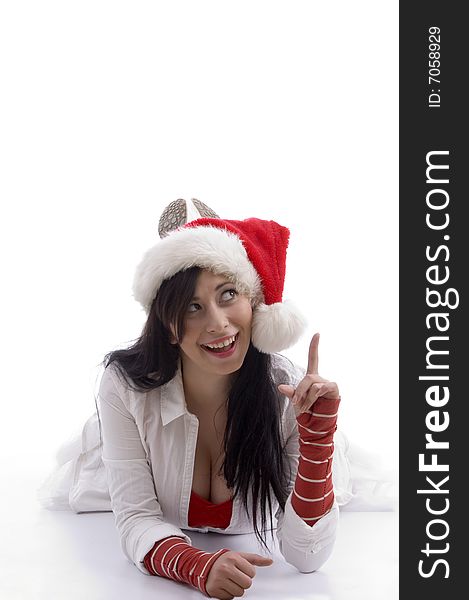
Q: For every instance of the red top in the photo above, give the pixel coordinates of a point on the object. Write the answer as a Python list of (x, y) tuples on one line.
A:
[(204, 513)]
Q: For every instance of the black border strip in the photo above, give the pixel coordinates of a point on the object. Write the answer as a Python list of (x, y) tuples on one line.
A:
[(433, 131)]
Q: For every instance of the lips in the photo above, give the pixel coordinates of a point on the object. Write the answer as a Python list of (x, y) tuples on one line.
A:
[(222, 342), (221, 349)]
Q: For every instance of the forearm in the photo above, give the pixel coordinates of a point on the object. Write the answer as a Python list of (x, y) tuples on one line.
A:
[(173, 558), (313, 494)]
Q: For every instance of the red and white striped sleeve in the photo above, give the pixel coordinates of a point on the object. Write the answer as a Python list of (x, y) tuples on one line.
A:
[(175, 559), (313, 492)]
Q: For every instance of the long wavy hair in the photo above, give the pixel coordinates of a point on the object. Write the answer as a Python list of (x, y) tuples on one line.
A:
[(254, 452)]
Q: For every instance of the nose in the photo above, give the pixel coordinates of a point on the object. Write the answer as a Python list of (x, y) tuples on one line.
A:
[(217, 320)]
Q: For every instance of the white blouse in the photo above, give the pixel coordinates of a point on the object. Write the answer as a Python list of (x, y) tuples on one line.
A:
[(149, 444)]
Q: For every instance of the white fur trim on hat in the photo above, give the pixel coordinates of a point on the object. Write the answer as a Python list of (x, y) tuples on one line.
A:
[(207, 247), (276, 327)]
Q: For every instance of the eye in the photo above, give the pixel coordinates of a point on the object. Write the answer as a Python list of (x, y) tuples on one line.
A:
[(194, 307), (229, 294)]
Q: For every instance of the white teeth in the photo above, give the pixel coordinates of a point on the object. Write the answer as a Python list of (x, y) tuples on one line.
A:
[(222, 344)]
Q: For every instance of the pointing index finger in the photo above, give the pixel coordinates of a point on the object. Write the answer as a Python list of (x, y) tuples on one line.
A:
[(313, 355)]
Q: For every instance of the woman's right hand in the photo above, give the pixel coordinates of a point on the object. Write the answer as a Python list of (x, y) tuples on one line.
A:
[(232, 573)]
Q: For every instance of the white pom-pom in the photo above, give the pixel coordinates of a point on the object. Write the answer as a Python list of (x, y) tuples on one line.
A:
[(276, 327)]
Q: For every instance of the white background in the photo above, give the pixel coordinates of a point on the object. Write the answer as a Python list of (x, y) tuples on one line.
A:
[(111, 110)]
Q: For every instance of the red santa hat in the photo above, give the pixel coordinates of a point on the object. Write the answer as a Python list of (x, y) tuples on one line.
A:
[(251, 252)]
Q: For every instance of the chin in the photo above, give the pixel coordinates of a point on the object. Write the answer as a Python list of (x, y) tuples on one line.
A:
[(228, 369), (231, 366)]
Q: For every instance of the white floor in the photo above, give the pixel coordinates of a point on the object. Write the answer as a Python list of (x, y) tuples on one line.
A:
[(53, 555)]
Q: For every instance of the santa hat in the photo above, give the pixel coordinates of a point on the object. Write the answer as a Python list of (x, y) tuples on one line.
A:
[(251, 252)]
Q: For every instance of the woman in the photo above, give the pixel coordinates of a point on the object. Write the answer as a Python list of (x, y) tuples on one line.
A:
[(204, 425)]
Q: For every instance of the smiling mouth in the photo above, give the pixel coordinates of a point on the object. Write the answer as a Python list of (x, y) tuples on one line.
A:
[(215, 349)]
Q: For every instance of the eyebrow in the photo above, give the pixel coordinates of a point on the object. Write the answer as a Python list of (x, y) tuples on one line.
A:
[(216, 289)]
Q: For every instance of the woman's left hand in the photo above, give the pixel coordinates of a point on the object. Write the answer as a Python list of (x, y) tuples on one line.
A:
[(312, 386)]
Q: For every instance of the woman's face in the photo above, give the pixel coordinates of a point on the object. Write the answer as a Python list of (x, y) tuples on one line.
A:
[(218, 314)]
